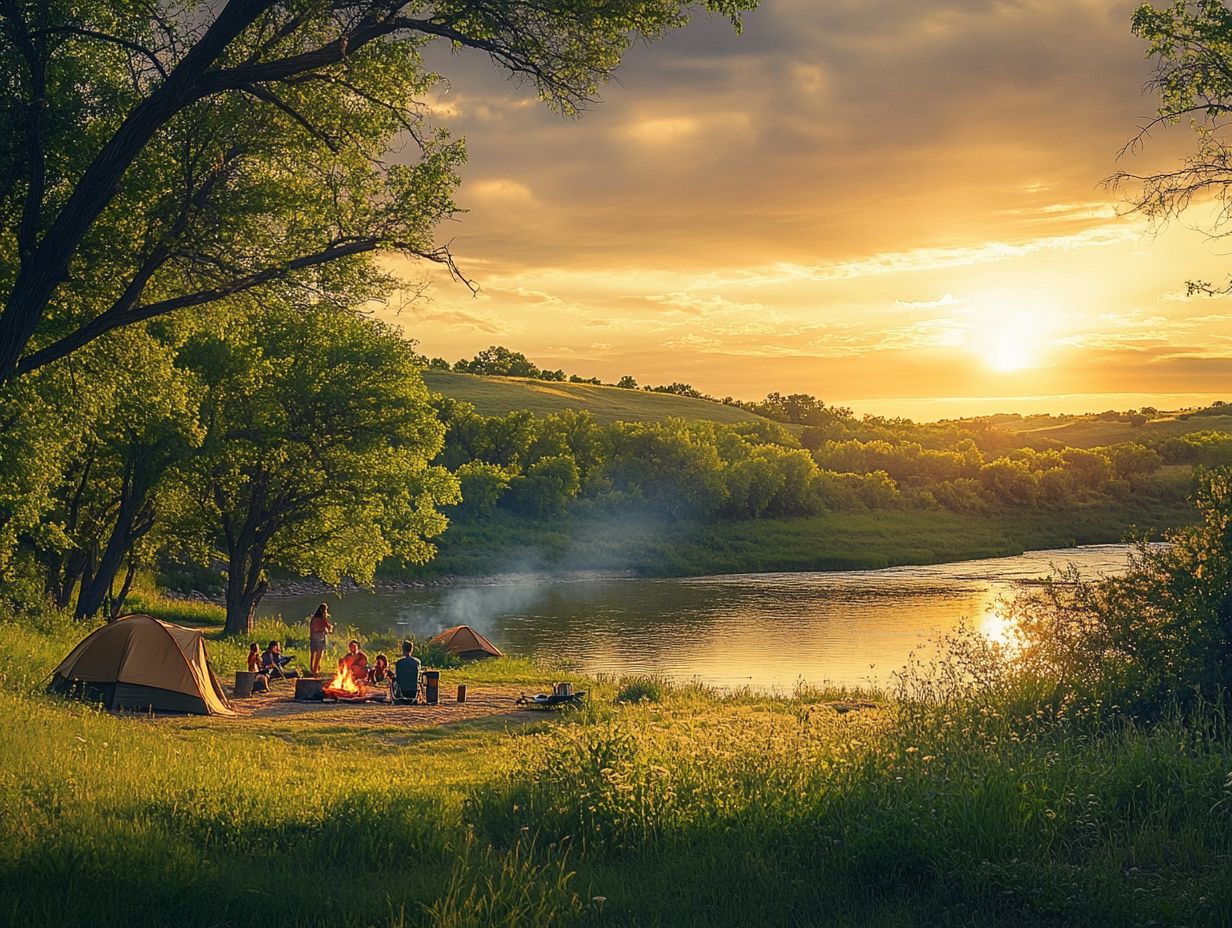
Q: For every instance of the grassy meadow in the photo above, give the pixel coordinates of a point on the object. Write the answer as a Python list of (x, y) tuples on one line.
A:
[(497, 396), (949, 804), (1092, 431)]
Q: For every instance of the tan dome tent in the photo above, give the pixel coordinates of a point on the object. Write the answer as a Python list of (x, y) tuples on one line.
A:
[(464, 641), (138, 662)]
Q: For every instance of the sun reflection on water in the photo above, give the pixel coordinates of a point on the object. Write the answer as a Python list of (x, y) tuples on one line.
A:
[(998, 627)]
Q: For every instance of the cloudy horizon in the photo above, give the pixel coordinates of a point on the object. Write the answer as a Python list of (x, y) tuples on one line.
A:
[(895, 207)]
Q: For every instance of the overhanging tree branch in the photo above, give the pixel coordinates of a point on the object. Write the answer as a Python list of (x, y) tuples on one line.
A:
[(117, 317), (147, 53)]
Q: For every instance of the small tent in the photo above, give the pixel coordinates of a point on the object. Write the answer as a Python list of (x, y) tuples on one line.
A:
[(138, 662), (464, 641)]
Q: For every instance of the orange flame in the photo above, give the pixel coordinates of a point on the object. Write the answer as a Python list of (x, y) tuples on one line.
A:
[(343, 685)]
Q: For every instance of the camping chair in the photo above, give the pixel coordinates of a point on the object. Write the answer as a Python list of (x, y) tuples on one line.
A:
[(404, 689)]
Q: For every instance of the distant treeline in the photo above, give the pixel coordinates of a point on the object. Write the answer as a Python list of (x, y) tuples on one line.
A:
[(303, 441), (541, 467)]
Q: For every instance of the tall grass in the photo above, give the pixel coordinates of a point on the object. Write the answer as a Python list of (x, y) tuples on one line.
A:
[(960, 819), (689, 811)]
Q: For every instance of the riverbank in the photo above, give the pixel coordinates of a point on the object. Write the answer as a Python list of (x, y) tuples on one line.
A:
[(643, 546), (846, 628), (507, 549)]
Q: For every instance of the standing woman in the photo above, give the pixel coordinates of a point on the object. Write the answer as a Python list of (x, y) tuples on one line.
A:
[(319, 628)]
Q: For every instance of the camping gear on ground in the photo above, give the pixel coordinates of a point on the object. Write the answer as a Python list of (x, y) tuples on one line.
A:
[(310, 689), (562, 695), (244, 681), (465, 642), (138, 662), (432, 686), (461, 692)]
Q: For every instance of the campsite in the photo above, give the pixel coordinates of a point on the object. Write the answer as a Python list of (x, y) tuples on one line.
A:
[(615, 464), (141, 665)]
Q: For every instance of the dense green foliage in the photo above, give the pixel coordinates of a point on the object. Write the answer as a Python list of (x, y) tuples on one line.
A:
[(707, 471), (1160, 636), (159, 156), (287, 437), (318, 433)]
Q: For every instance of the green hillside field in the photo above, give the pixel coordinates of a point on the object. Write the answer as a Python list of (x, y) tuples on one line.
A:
[(1091, 431), (496, 396)]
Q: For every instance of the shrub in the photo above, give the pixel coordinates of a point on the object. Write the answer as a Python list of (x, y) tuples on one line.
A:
[(639, 689), (1158, 637)]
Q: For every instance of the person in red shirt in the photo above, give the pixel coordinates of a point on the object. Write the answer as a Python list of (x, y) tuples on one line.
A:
[(319, 628)]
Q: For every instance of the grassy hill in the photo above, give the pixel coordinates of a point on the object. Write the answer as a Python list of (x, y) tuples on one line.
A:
[(1091, 431), (495, 396)]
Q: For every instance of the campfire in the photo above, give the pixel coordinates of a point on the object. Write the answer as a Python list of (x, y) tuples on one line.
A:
[(344, 685)]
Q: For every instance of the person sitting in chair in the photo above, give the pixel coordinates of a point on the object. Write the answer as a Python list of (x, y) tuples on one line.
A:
[(406, 674), (273, 664)]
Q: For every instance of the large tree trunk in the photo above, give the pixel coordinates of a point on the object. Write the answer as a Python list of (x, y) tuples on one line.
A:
[(117, 601), (133, 520), (242, 602), (63, 578), (246, 582)]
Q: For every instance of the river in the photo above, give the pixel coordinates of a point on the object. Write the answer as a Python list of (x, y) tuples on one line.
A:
[(768, 632)]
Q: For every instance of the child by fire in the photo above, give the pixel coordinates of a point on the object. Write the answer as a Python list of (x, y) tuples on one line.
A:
[(380, 674)]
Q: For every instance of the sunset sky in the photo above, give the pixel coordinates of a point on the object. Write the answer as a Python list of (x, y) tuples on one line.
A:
[(894, 206)]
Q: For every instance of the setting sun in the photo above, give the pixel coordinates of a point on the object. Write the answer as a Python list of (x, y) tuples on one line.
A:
[(1010, 347)]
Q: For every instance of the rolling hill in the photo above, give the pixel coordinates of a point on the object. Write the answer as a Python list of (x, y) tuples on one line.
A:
[(495, 396), (1090, 431)]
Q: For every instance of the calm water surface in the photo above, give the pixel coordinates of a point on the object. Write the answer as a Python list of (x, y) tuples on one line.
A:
[(767, 631)]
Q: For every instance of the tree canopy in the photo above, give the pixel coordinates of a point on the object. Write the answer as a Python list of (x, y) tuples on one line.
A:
[(162, 154), (318, 435)]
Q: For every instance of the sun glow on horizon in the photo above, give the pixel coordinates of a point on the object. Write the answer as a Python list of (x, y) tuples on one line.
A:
[(1013, 331)]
